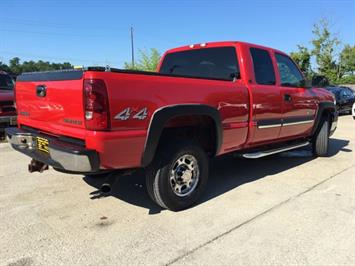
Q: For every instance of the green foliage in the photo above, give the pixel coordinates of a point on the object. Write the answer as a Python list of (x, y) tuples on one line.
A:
[(148, 61), (325, 45), (4, 67), (16, 67), (334, 66), (347, 60), (302, 57), (346, 80)]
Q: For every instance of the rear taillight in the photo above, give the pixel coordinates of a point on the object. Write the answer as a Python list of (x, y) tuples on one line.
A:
[(96, 109)]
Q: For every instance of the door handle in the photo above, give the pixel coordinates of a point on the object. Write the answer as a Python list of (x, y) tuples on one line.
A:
[(287, 98)]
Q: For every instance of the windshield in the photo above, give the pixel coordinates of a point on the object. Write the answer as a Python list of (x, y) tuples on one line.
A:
[(6, 82)]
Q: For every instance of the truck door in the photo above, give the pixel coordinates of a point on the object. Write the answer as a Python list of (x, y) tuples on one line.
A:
[(298, 103), (266, 96)]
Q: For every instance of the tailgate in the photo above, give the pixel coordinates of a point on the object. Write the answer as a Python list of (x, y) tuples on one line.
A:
[(51, 100)]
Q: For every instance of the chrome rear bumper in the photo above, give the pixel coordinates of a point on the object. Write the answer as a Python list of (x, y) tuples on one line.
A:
[(61, 155)]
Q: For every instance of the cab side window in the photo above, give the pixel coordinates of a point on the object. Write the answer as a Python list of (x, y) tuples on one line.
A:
[(289, 74), (263, 67)]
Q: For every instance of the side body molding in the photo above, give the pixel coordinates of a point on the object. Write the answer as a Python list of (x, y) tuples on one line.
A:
[(162, 115)]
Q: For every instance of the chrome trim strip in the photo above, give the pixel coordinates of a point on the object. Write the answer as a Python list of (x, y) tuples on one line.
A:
[(256, 155), (269, 126), (298, 123), (286, 124)]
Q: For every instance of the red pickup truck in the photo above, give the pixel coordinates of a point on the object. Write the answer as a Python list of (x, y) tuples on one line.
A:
[(7, 107), (205, 100)]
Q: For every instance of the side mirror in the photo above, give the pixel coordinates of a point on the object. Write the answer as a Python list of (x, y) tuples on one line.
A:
[(306, 83), (319, 81)]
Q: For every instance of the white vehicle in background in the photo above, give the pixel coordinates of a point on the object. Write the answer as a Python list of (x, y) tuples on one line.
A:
[(353, 111)]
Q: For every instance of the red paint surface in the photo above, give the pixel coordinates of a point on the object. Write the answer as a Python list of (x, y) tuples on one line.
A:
[(241, 104)]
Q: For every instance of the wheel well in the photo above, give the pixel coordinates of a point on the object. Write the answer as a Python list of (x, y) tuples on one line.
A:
[(201, 122), (199, 128), (327, 114)]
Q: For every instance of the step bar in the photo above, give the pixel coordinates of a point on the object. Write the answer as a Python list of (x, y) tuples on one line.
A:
[(259, 154)]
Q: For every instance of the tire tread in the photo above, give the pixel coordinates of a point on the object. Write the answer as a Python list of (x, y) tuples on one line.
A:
[(321, 142)]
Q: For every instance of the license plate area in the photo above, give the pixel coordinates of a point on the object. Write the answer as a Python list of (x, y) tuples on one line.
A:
[(42, 144)]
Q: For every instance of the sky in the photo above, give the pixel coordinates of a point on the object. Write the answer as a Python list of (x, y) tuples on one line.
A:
[(94, 32)]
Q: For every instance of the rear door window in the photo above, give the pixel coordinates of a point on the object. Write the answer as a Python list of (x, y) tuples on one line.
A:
[(211, 63), (263, 67)]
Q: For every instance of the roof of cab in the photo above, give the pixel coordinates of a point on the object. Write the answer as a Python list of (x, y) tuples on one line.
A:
[(218, 44)]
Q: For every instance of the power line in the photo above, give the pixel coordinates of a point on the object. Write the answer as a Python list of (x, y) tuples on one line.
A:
[(132, 47), (49, 24), (54, 33)]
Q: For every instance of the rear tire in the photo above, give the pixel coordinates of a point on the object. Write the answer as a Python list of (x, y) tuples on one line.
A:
[(321, 141), (178, 175)]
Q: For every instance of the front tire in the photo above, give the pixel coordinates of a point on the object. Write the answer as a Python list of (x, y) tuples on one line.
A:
[(321, 141), (178, 175)]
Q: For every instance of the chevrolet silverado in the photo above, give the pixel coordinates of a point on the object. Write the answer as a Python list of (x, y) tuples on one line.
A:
[(205, 100)]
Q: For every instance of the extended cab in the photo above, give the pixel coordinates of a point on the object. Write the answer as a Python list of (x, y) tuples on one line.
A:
[(204, 101), (7, 106)]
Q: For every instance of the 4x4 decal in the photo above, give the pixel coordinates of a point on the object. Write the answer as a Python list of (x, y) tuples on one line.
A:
[(128, 113), (142, 114)]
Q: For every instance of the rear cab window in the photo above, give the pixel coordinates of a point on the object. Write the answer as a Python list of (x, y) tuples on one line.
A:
[(263, 66), (210, 63)]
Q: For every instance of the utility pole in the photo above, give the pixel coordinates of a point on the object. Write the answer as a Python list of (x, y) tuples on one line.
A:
[(132, 47)]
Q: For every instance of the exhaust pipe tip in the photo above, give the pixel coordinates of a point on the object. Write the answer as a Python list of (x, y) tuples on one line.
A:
[(110, 181), (105, 188)]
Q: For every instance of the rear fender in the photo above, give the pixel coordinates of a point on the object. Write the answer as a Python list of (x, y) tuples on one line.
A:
[(163, 115)]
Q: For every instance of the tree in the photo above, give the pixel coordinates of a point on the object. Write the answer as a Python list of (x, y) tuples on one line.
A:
[(302, 57), (148, 61), (347, 60), (325, 45), (15, 66), (4, 67)]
